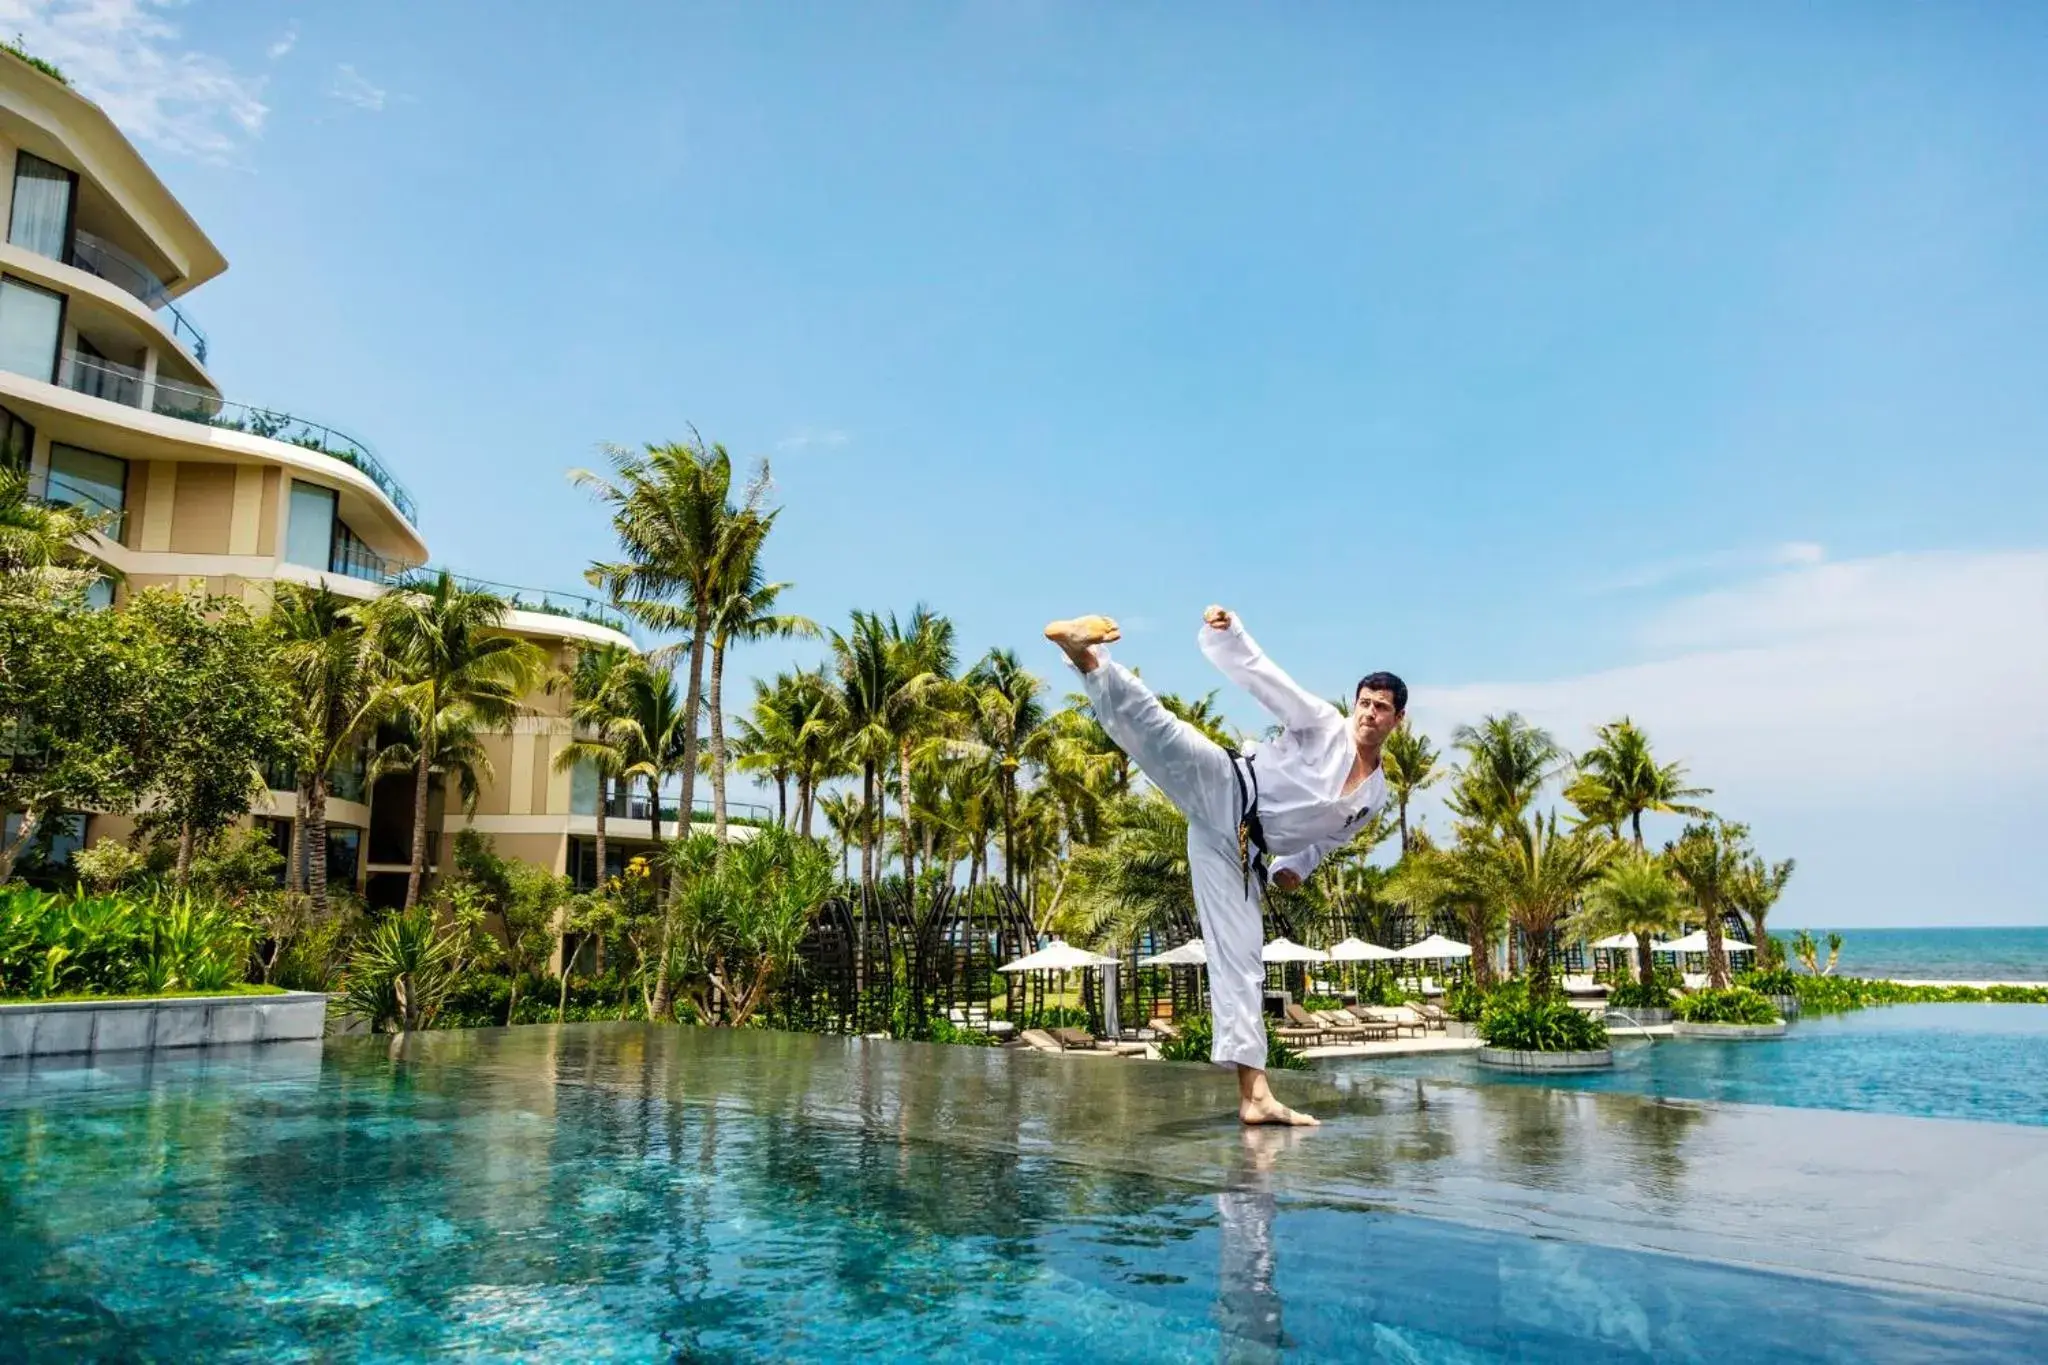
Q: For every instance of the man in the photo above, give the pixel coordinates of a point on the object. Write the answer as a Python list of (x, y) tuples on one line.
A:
[(1291, 800)]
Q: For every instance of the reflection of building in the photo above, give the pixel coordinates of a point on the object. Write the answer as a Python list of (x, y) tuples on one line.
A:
[(106, 399)]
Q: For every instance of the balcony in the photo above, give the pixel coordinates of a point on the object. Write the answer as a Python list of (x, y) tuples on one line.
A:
[(124, 384), (96, 256), (359, 561)]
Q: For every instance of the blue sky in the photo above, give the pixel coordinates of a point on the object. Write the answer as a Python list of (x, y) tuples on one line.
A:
[(1582, 359)]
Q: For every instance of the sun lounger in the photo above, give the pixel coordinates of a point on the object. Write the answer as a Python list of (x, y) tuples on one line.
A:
[(1075, 1039), (1349, 1028), (1400, 1018), (976, 1019), (1038, 1040), (1583, 986)]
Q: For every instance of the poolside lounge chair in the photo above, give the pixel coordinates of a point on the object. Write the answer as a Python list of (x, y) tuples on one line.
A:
[(1074, 1039), (1584, 986), (1432, 1015), (1400, 1017), (1038, 1040), (976, 1018), (1346, 1027)]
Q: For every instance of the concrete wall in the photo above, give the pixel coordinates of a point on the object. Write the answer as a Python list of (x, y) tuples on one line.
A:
[(203, 519), (32, 1030)]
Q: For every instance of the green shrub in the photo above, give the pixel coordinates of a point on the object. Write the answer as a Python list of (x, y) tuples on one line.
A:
[(1635, 995), (402, 974), (119, 943), (1465, 1001), (1736, 1005), (1193, 1036), (1830, 994), (1512, 1021)]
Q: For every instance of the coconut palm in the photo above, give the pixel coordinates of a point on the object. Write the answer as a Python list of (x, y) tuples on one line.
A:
[(919, 711), (743, 612), (1538, 875), (1707, 859), (600, 709), (1451, 885), (681, 536), (847, 819), (891, 677), (1136, 880), (1007, 730), (1635, 895), (1507, 761), (450, 672), (1410, 763), (333, 677), (1755, 889), (1619, 778), (39, 559)]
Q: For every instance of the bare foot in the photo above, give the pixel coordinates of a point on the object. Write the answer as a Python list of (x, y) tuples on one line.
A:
[(1079, 636), (1270, 1110)]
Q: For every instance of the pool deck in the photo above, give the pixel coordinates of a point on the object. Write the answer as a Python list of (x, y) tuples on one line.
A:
[(1901, 1203)]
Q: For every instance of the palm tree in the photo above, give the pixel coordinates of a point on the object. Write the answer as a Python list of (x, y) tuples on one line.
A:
[(892, 677), (1507, 761), (1538, 875), (766, 740), (38, 542), (1707, 859), (1755, 890), (742, 612), (450, 671), (1007, 722), (1635, 895), (1619, 778), (1451, 884), (600, 707), (1136, 880), (333, 678), (847, 819), (924, 663), (1410, 763), (681, 537), (653, 739)]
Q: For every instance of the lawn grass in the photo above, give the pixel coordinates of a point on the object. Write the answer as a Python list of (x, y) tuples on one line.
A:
[(79, 999)]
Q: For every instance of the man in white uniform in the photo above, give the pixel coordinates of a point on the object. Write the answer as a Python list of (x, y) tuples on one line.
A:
[(1291, 800)]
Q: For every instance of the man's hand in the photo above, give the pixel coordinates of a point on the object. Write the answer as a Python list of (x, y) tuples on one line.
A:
[(1217, 618), (1287, 879)]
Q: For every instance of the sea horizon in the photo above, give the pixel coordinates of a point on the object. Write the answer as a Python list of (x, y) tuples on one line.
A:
[(1988, 952)]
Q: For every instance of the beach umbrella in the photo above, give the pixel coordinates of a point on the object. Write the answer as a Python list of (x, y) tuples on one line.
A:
[(1189, 954), (1696, 942), (1616, 942), (1358, 950), (1435, 948), (1287, 950), (1057, 956)]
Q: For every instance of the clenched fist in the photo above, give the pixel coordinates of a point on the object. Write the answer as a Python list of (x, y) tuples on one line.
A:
[(1287, 879), (1217, 617)]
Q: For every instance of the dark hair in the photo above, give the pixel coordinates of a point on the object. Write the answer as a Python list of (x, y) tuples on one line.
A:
[(1383, 682)]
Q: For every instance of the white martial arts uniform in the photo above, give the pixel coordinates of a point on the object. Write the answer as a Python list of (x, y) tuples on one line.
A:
[(1301, 804)]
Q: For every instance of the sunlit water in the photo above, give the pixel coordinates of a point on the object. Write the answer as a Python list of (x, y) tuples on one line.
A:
[(1987, 1062), (615, 1192)]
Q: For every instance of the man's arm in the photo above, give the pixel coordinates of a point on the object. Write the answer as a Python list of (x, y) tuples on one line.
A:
[(1231, 648)]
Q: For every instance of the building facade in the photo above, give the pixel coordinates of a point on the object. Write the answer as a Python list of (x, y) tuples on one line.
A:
[(108, 401)]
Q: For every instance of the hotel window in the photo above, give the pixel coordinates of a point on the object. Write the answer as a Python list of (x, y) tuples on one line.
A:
[(31, 320), (309, 534), (88, 479), (17, 441), (44, 196)]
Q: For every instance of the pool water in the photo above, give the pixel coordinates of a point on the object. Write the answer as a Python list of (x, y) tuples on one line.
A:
[(613, 1192), (1985, 1062)]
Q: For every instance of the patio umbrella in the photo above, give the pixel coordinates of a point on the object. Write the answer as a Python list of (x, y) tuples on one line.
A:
[(1615, 942), (1189, 954), (1696, 942), (1435, 948), (1057, 956), (1358, 950), (1287, 950)]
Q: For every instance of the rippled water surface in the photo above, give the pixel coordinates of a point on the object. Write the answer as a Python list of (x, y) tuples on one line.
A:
[(614, 1192)]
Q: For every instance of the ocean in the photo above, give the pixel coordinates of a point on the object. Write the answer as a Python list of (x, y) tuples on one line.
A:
[(2019, 954)]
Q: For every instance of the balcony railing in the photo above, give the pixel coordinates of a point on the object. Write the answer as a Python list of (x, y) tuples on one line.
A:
[(125, 384), (98, 257), (576, 605)]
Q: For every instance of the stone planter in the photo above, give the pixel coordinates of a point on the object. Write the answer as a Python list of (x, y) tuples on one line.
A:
[(1621, 1016), (1728, 1032), (1503, 1059), (1458, 1028), (36, 1030)]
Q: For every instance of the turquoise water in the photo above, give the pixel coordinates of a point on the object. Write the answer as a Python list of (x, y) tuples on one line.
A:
[(600, 1192), (1987, 1062), (1941, 954)]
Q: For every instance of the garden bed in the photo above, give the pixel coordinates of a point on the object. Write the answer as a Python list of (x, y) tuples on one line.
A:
[(44, 1028), (1504, 1059)]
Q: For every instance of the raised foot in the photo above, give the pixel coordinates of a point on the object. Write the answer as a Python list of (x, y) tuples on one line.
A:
[(1083, 631), (1270, 1110)]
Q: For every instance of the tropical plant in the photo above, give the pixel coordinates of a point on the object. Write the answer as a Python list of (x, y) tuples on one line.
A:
[(1538, 874), (1808, 952), (601, 710), (1634, 895), (741, 916), (1136, 879), (1506, 762), (743, 611), (1707, 859), (886, 683), (1619, 778), (333, 689), (1770, 981), (450, 671), (1454, 885), (1639, 995), (405, 969), (1732, 1005), (40, 563), (1754, 889), (1410, 763), (1517, 1018)]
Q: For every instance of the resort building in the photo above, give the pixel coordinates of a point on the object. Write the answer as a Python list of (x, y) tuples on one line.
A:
[(108, 401)]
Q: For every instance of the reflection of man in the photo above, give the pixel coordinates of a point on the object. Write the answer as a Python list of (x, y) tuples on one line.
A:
[(1297, 797), (1247, 1298)]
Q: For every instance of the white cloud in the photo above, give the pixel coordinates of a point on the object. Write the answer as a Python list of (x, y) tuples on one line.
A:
[(1867, 683), (808, 438), (125, 55), (350, 87), (1699, 566), (285, 44)]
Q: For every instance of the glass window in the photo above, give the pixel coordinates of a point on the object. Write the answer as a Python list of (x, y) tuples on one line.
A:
[(344, 854), (17, 441), (309, 537), (88, 479), (583, 789), (100, 595), (30, 322), (43, 193)]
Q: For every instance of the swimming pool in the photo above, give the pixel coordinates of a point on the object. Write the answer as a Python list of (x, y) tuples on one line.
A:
[(619, 1192), (1986, 1062)]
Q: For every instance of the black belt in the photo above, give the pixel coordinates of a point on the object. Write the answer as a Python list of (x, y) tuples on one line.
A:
[(1251, 835)]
